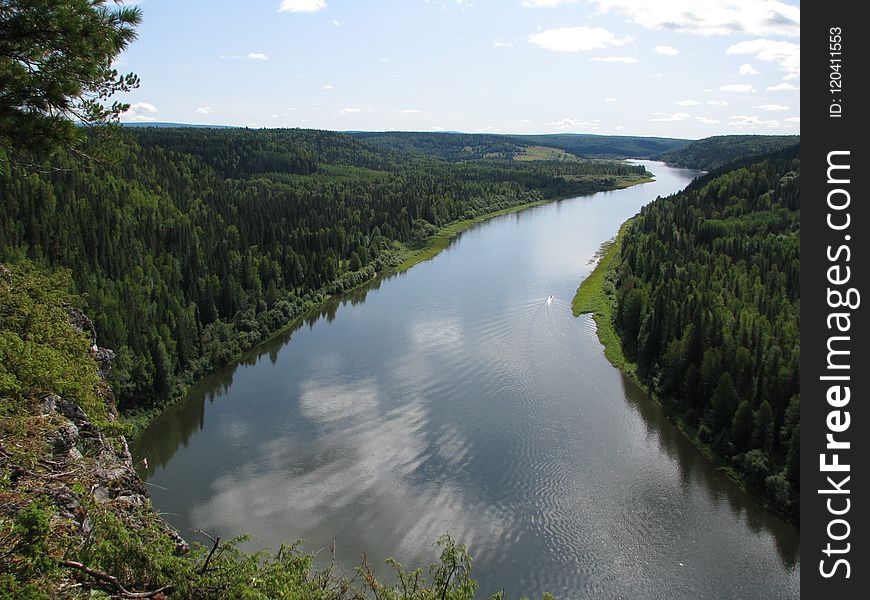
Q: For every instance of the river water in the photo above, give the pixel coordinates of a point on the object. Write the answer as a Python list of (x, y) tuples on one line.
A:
[(455, 399)]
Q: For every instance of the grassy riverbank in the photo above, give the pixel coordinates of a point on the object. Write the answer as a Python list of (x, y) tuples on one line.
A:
[(593, 296), (441, 240)]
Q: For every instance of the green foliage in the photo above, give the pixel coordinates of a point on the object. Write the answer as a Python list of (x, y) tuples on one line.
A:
[(463, 147), (707, 304), (200, 243), (55, 70), (716, 152), (40, 352)]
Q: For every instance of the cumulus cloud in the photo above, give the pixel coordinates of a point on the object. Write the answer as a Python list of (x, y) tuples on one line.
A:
[(575, 39), (773, 107), (752, 121), (498, 43), (614, 59), (667, 50), (410, 111), (786, 55), (747, 69), (301, 6), (328, 86), (711, 17), (248, 56), (706, 121), (348, 110), (140, 111), (793, 120), (574, 124), (688, 103), (718, 102), (681, 116), (545, 3), (204, 110), (739, 88), (610, 99), (782, 87)]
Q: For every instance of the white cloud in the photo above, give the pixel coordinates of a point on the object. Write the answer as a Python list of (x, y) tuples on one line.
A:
[(302, 6), (139, 112), (545, 3), (614, 59), (785, 54), (574, 124), (204, 110), (688, 103), (348, 110), (739, 88), (328, 86), (793, 120), (718, 102), (747, 69), (249, 56), (711, 17), (410, 111), (782, 87), (773, 107), (610, 99), (336, 23), (498, 43), (667, 50), (681, 116), (706, 121), (752, 121), (143, 107), (790, 76), (574, 39)]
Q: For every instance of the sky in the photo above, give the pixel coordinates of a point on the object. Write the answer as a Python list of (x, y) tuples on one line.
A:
[(672, 68)]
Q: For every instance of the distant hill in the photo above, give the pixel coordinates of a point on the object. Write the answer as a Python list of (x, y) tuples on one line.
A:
[(164, 125), (714, 152), (459, 147)]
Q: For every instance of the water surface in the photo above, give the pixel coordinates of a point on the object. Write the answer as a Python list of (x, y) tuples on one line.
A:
[(455, 398)]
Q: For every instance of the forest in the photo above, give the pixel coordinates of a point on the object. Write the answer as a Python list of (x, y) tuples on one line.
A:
[(718, 151), (707, 304), (193, 245), (461, 147)]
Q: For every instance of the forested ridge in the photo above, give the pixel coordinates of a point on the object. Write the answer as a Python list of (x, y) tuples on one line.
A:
[(196, 244), (707, 305), (720, 150), (460, 147)]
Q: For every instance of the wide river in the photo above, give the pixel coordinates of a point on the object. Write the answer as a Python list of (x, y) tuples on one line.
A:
[(455, 399)]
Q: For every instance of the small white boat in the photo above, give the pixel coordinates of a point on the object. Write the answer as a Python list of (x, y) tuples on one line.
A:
[(549, 300)]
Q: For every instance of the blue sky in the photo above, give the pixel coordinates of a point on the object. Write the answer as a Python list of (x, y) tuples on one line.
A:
[(682, 68)]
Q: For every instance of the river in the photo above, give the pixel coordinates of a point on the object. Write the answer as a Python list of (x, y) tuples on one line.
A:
[(454, 398)]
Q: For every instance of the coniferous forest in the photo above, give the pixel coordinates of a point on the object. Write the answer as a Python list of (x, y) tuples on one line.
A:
[(707, 304), (192, 245)]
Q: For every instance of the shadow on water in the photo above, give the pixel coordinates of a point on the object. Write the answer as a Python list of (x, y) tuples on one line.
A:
[(173, 428), (697, 472)]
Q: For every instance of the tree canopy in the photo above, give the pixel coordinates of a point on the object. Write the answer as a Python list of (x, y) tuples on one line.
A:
[(56, 70)]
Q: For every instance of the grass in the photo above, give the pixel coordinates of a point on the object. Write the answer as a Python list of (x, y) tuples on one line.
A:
[(592, 297), (545, 153)]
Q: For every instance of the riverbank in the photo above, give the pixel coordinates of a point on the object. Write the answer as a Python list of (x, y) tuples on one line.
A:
[(442, 238), (403, 259), (595, 295)]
